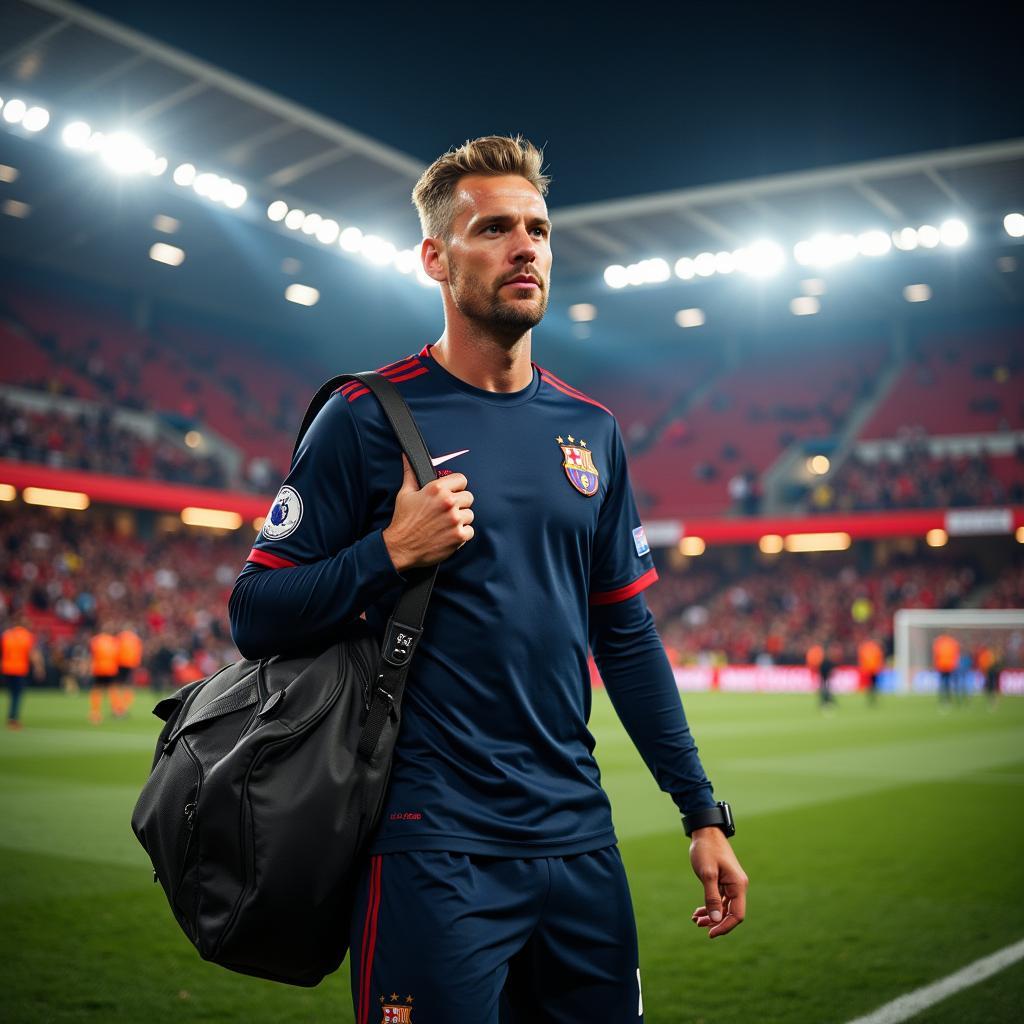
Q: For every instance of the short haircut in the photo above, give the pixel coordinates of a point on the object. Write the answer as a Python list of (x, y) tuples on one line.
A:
[(492, 155)]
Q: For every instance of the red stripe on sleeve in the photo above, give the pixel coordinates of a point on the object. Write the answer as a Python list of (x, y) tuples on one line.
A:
[(564, 388), (269, 560), (614, 596)]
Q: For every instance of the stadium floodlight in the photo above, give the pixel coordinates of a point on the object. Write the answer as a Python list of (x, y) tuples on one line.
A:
[(635, 274), (928, 236), (825, 250), (94, 144), (692, 546), (351, 239), (212, 518), (53, 498), (8, 174), (377, 250), (235, 196), (277, 210), (683, 268), (193, 439), (813, 286), (328, 231), (760, 259), (874, 243), (818, 465), (725, 262), (657, 270), (771, 544), (690, 318), (704, 264), (8, 492), (905, 239), (35, 119), (804, 305), (1013, 225), (406, 261), (294, 219), (1019, 534), (615, 276), (170, 255), (310, 223), (14, 111), (125, 153), (936, 538), (953, 232), (158, 166), (184, 175), (917, 293), (302, 294)]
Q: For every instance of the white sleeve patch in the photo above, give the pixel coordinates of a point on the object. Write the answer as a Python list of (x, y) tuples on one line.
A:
[(284, 515), (640, 541)]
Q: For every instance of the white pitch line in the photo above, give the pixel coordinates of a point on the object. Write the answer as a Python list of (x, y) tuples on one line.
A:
[(920, 999)]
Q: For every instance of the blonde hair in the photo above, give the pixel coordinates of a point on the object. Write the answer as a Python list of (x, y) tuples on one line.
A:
[(493, 155)]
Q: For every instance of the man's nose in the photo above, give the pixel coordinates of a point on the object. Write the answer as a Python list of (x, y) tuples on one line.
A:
[(524, 246)]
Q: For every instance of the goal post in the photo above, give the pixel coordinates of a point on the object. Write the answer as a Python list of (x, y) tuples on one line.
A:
[(915, 629)]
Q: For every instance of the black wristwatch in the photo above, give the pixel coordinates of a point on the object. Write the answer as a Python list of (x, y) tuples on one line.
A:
[(720, 815)]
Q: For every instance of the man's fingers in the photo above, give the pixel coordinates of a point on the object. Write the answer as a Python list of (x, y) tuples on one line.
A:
[(409, 481)]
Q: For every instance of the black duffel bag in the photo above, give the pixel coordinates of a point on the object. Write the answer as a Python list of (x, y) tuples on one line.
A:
[(269, 778)]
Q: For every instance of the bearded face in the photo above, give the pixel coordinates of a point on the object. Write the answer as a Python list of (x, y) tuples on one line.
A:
[(499, 301)]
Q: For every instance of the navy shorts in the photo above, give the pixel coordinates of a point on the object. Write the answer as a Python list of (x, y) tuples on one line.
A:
[(454, 938)]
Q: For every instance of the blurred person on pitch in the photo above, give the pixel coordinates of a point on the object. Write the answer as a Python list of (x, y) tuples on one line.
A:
[(820, 661), (104, 651), (946, 661), (494, 883), (19, 658), (129, 659), (870, 662), (989, 664)]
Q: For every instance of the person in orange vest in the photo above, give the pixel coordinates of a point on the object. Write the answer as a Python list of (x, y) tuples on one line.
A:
[(18, 657), (104, 650), (821, 669), (988, 664), (129, 658), (946, 659), (870, 661)]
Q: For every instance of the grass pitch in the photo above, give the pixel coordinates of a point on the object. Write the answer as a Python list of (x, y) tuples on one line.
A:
[(885, 848)]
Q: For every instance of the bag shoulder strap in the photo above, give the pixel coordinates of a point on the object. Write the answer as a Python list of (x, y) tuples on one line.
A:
[(406, 623)]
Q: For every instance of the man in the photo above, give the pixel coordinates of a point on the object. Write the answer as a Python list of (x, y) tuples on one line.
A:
[(870, 662), (20, 656), (103, 651), (946, 659), (494, 885)]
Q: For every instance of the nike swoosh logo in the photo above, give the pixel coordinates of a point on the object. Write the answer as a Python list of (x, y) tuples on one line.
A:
[(445, 458)]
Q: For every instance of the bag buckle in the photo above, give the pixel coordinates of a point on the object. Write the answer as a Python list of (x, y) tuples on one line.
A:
[(399, 643)]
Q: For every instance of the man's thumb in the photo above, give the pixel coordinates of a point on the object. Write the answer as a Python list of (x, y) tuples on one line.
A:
[(712, 900)]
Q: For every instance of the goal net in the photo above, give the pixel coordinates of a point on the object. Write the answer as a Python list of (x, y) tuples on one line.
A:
[(999, 630)]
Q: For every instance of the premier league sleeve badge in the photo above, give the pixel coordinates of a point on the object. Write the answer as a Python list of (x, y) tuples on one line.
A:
[(578, 462)]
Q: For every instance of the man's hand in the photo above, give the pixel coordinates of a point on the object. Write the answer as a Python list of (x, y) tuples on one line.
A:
[(430, 523), (725, 882)]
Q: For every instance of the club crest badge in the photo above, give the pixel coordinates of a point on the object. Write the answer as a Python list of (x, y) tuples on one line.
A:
[(284, 516), (395, 1012), (578, 462)]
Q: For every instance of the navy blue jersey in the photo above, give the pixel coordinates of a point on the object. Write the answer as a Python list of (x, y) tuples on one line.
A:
[(494, 755)]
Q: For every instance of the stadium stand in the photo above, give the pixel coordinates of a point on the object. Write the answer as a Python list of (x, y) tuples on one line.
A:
[(712, 458)]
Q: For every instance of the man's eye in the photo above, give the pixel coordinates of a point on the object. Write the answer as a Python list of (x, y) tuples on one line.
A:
[(494, 228)]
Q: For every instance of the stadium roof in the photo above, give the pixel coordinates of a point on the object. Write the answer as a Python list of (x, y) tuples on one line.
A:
[(80, 64)]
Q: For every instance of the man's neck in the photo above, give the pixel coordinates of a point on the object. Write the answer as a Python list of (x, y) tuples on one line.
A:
[(485, 362)]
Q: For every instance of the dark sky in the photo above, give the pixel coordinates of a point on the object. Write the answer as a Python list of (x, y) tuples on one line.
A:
[(651, 97)]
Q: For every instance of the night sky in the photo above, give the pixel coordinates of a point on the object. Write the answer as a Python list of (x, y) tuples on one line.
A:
[(653, 97)]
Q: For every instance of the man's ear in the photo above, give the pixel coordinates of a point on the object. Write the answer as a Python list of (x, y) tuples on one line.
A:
[(434, 257)]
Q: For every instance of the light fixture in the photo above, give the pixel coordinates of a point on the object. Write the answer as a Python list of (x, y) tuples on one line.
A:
[(818, 465), (8, 492), (770, 544), (936, 538), (817, 542), (170, 255), (690, 318), (804, 305), (55, 498), (1013, 224), (302, 294), (583, 312), (953, 233), (277, 210), (692, 546), (212, 518), (917, 293), (35, 119)]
